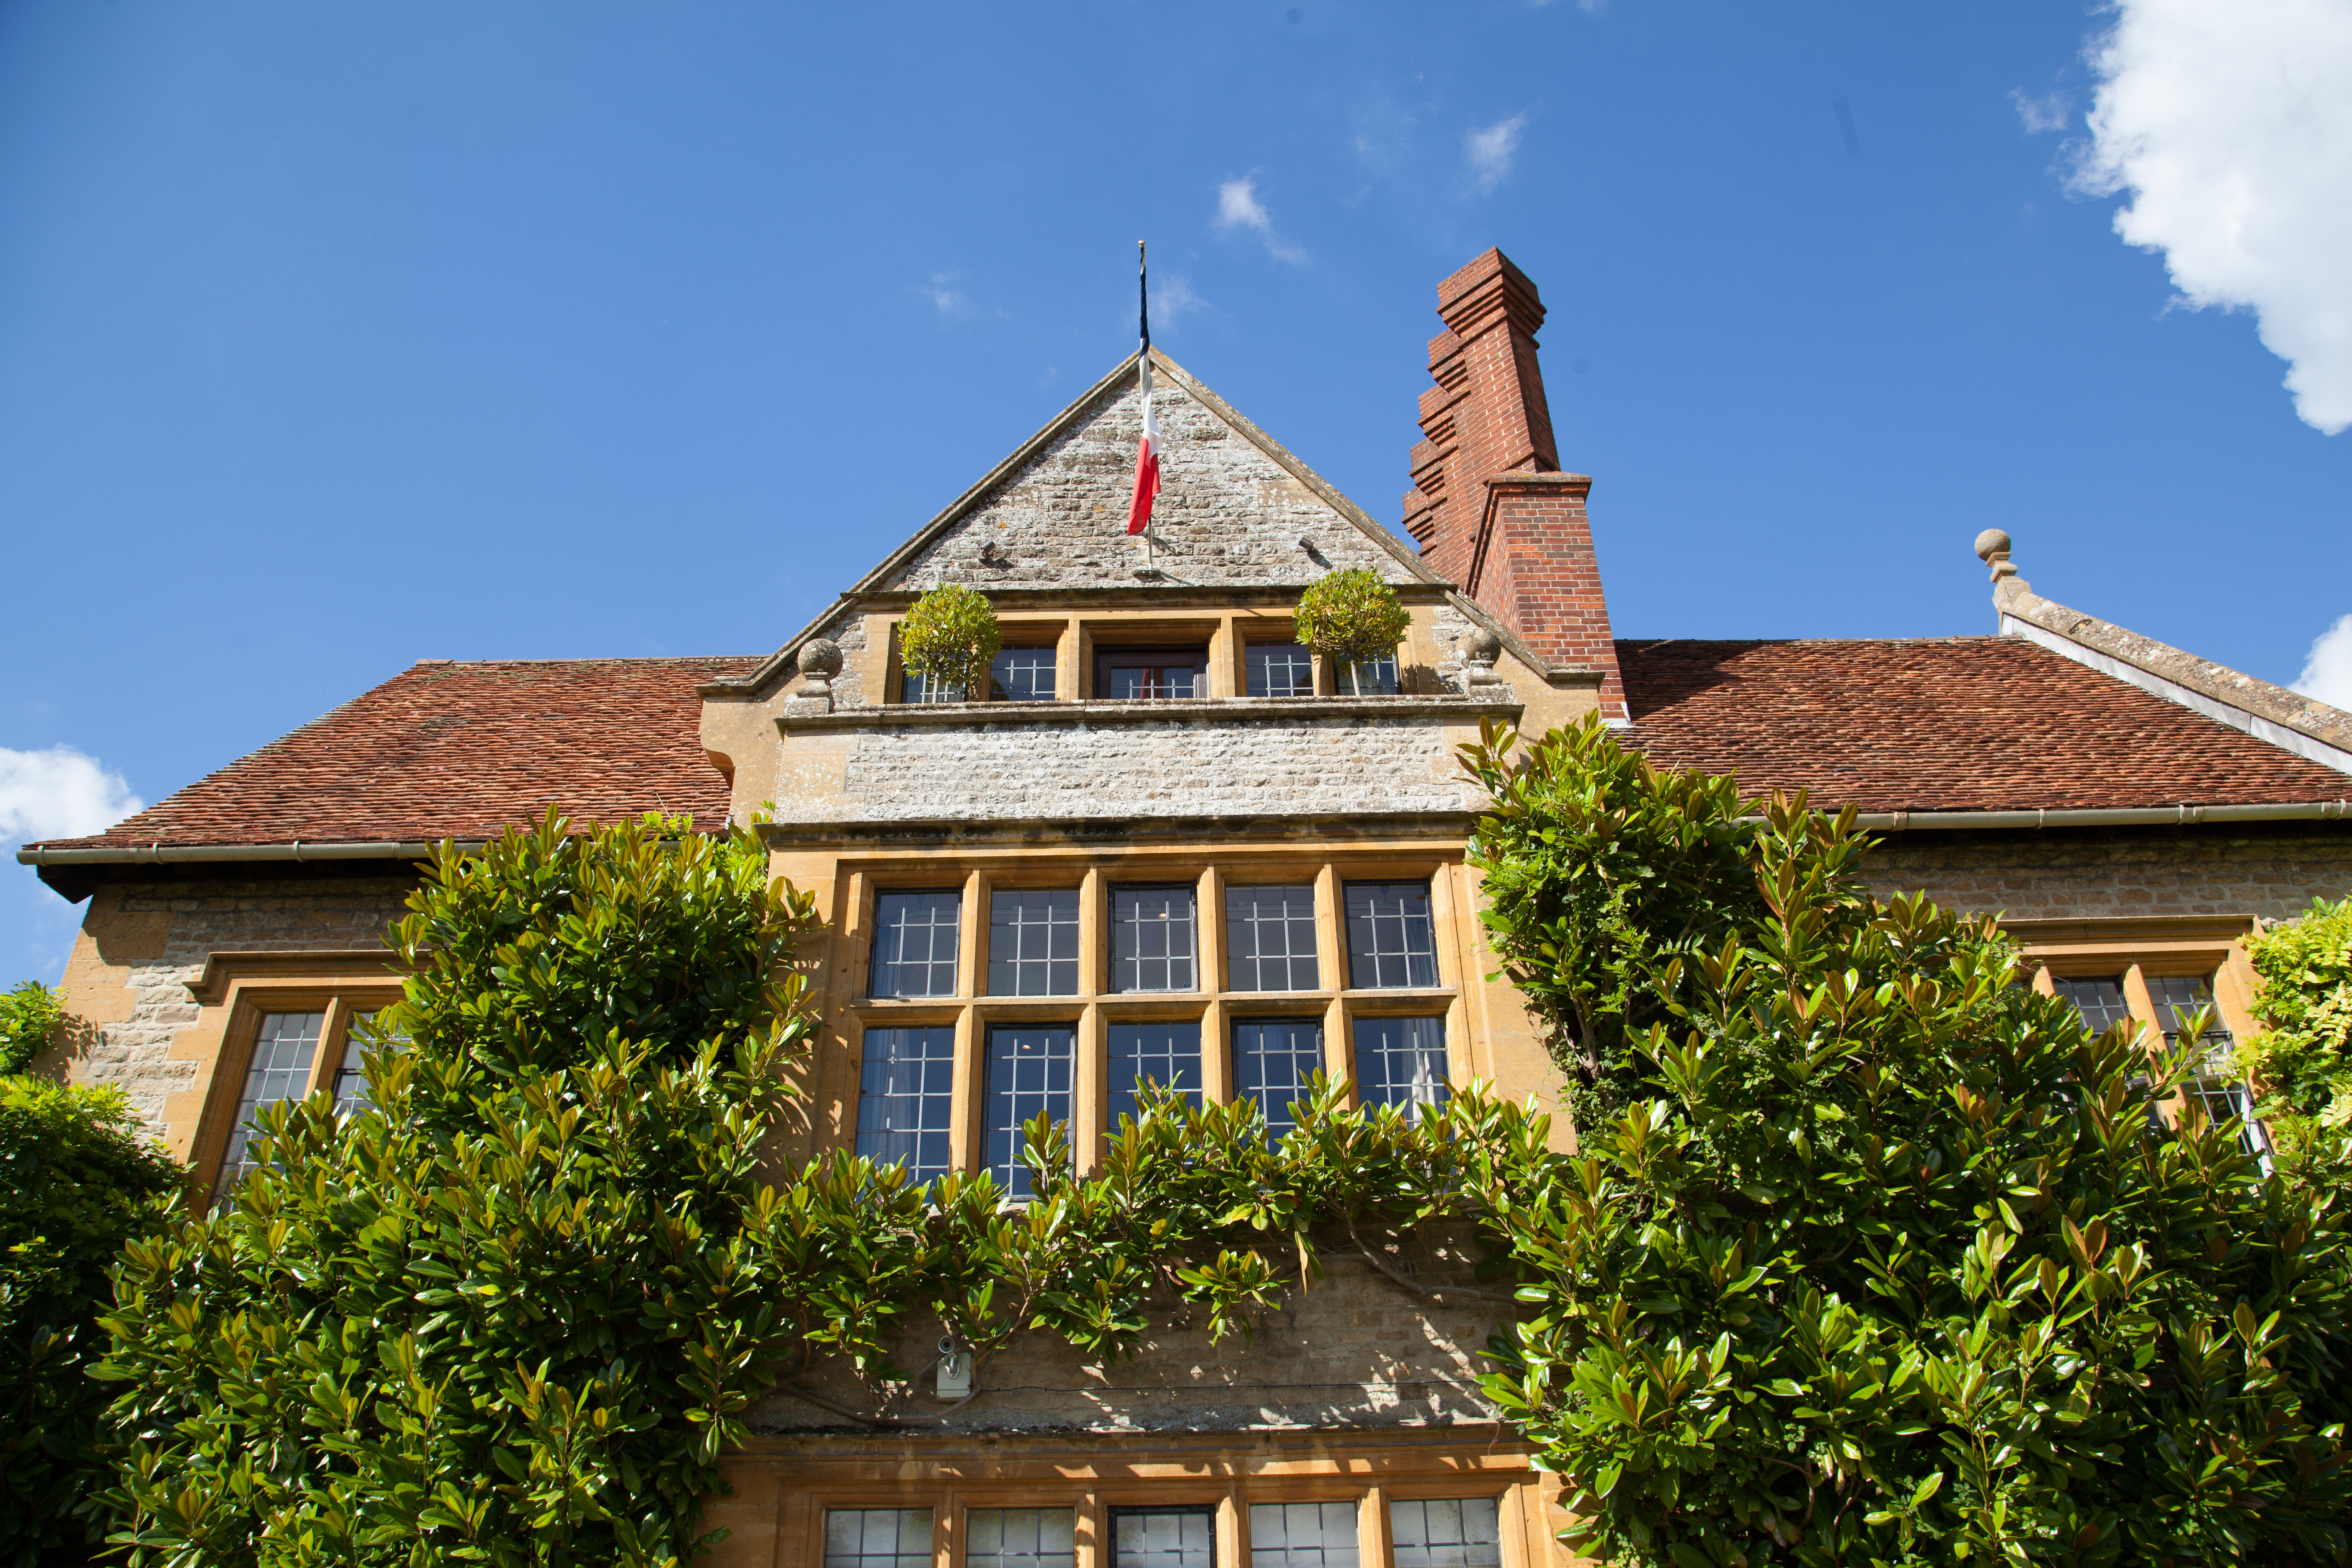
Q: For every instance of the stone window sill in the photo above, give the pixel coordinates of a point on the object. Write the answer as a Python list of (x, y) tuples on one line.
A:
[(1222, 709)]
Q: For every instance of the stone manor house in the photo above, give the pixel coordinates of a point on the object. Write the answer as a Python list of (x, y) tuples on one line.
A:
[(1173, 842)]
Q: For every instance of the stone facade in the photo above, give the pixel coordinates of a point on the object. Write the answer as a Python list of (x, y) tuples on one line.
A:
[(1355, 1349), (2272, 872), (148, 943), (1122, 764), (1228, 513)]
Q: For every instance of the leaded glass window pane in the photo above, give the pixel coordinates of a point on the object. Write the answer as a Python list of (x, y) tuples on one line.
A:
[(2215, 1086), (906, 1100), (1166, 1053), (2100, 1001), (1274, 1060), (1151, 675), (1022, 675), (1151, 938), (1270, 938), (1449, 1532), (1392, 941), (930, 689), (1366, 676), (1400, 1061), (1020, 1538), (1029, 1071), (1303, 1535), (351, 1076), (877, 1537), (278, 1071), (1163, 1538), (1280, 670), (915, 943), (1033, 942)]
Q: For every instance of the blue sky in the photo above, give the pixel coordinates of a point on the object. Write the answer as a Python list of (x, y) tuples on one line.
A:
[(332, 337)]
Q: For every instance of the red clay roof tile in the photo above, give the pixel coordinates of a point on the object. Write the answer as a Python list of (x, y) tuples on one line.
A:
[(1992, 723), (450, 749)]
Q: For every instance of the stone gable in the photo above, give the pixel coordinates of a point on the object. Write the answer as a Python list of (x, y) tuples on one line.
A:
[(1228, 515)]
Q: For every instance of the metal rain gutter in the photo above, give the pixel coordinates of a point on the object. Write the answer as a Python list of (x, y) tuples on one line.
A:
[(2110, 817), (162, 853)]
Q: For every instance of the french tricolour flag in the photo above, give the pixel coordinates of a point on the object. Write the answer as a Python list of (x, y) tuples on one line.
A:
[(1146, 457)]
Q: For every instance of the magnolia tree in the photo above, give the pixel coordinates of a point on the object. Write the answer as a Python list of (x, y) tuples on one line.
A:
[(1869, 1254)]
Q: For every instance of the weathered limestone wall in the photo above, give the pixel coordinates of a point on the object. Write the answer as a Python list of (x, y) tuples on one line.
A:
[(1356, 1350), (1227, 513), (2273, 872), (1205, 767), (143, 944)]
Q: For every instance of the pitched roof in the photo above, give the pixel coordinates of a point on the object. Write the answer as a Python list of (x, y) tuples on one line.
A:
[(449, 750), (1991, 723)]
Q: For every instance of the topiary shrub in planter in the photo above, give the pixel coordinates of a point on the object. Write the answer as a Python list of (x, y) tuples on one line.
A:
[(951, 637), (1351, 616)]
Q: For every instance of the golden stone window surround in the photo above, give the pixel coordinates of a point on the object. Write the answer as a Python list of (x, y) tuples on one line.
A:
[(1095, 1006)]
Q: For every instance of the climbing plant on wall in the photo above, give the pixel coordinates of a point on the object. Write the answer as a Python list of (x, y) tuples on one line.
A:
[(2302, 1056)]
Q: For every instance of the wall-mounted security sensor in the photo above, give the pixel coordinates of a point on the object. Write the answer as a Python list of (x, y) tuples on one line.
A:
[(955, 1369)]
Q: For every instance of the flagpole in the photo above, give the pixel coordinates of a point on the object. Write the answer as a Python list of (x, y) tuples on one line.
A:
[(1143, 326)]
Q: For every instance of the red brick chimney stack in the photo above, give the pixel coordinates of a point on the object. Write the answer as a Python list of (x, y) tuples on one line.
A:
[(1489, 506)]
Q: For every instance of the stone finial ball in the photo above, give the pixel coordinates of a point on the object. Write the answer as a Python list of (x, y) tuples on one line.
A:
[(821, 656), (1992, 541), (1480, 646)]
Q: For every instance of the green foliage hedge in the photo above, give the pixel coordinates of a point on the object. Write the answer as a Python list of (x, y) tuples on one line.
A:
[(29, 1015), (950, 635), (78, 1177), (1869, 1254), (2303, 1054), (513, 1315)]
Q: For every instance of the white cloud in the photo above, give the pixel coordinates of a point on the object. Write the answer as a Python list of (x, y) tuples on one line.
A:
[(59, 793), (2050, 111), (2229, 121), (1489, 151), (941, 291), (1238, 207), (1172, 298), (2327, 672)]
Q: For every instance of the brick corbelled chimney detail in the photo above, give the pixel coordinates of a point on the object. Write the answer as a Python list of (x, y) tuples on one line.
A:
[(1489, 506)]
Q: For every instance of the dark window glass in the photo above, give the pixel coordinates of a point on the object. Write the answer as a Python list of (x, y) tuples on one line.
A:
[(1028, 1075), (1163, 1538), (2100, 1001), (1022, 675), (1149, 675), (1270, 938), (2178, 998), (906, 1100), (278, 1071), (930, 689), (1366, 676), (1280, 670), (1400, 1061), (1167, 1054), (915, 943), (1033, 942), (1151, 938), (1391, 940), (1274, 1058)]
